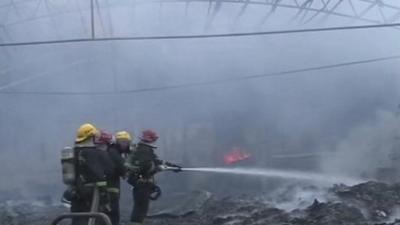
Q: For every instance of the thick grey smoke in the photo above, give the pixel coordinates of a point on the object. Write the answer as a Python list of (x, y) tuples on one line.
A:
[(329, 112), (367, 148)]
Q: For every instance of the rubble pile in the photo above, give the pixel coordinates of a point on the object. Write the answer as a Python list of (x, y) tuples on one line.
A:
[(379, 200), (371, 203), (28, 212)]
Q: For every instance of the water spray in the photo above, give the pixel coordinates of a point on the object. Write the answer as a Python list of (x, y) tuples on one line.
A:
[(284, 174)]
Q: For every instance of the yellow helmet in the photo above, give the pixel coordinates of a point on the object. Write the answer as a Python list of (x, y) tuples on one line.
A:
[(85, 131), (123, 135)]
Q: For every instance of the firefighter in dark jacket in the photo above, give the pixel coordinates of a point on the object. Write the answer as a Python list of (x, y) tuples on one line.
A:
[(143, 164), (92, 168), (117, 151)]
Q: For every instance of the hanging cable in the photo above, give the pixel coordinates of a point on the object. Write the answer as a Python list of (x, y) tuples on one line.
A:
[(200, 36), (212, 82)]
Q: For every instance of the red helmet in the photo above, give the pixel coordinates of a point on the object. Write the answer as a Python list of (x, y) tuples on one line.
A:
[(104, 138), (149, 136)]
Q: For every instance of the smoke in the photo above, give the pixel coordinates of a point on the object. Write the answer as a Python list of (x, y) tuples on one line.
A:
[(291, 115), (372, 145), (293, 196)]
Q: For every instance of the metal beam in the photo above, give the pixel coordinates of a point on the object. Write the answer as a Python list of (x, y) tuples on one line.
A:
[(270, 12), (324, 7), (96, 2), (93, 32), (332, 11), (240, 14), (214, 12), (305, 12), (288, 6), (372, 5), (301, 8), (352, 7)]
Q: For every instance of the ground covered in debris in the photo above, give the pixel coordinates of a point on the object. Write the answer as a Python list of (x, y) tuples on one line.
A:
[(363, 204)]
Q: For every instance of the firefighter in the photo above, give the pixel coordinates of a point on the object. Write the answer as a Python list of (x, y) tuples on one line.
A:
[(117, 151), (143, 164), (92, 166)]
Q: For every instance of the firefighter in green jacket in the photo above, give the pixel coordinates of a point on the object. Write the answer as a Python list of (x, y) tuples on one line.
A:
[(92, 166), (143, 164), (117, 152)]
